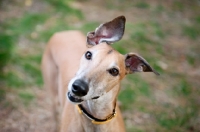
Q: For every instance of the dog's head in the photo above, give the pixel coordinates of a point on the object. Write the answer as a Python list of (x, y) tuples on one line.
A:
[(101, 67)]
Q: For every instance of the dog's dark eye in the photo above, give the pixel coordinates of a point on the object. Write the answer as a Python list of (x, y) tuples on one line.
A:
[(88, 55), (114, 71)]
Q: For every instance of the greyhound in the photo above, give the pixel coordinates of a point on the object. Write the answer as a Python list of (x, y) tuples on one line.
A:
[(87, 71)]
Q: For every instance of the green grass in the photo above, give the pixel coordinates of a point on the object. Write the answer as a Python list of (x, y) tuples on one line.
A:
[(142, 5), (5, 49), (127, 97), (139, 33), (192, 31), (27, 24), (134, 129), (183, 88), (134, 89), (26, 97), (90, 26), (140, 86), (159, 9), (2, 94), (63, 7), (177, 119), (32, 22), (14, 81), (45, 35), (23, 68), (141, 36), (157, 29), (119, 46), (191, 58), (178, 6), (30, 66), (197, 19)]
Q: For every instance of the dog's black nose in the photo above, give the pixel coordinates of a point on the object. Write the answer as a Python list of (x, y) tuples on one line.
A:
[(80, 88)]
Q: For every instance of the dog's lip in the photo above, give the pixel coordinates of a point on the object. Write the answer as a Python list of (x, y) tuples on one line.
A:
[(73, 99), (96, 97)]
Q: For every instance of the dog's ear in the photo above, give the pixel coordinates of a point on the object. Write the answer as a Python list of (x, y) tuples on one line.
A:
[(136, 63), (108, 32)]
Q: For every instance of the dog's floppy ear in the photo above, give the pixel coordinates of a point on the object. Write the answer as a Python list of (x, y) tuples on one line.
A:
[(108, 32), (135, 63)]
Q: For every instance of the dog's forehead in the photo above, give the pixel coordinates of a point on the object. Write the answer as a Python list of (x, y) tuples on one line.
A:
[(106, 54), (101, 47), (104, 50)]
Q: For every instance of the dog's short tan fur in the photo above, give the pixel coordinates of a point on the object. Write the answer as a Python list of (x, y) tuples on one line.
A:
[(64, 62)]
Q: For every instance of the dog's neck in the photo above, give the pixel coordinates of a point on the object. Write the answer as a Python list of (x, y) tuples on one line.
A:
[(103, 106)]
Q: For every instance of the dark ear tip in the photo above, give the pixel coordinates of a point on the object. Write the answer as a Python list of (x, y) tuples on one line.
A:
[(158, 74), (122, 18)]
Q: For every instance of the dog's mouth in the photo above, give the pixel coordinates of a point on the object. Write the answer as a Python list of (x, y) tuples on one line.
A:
[(76, 99), (73, 99)]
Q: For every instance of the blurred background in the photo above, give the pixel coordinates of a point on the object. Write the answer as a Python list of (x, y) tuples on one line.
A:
[(165, 32)]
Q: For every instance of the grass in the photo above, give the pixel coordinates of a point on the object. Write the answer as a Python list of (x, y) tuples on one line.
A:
[(142, 5), (2, 94), (5, 49), (142, 39), (191, 59), (192, 30), (141, 87), (119, 46), (64, 8), (29, 22), (25, 26), (134, 89), (133, 129), (90, 26), (14, 80), (5, 55), (26, 70), (127, 96), (159, 9), (197, 19), (26, 97), (183, 88), (193, 56), (178, 6), (177, 119)]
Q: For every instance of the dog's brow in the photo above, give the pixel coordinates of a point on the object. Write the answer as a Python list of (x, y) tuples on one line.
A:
[(114, 64)]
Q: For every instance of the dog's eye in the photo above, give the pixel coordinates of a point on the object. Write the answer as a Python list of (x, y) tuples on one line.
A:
[(88, 55), (114, 71)]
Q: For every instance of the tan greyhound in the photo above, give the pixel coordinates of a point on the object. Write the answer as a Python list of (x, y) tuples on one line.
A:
[(89, 74)]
